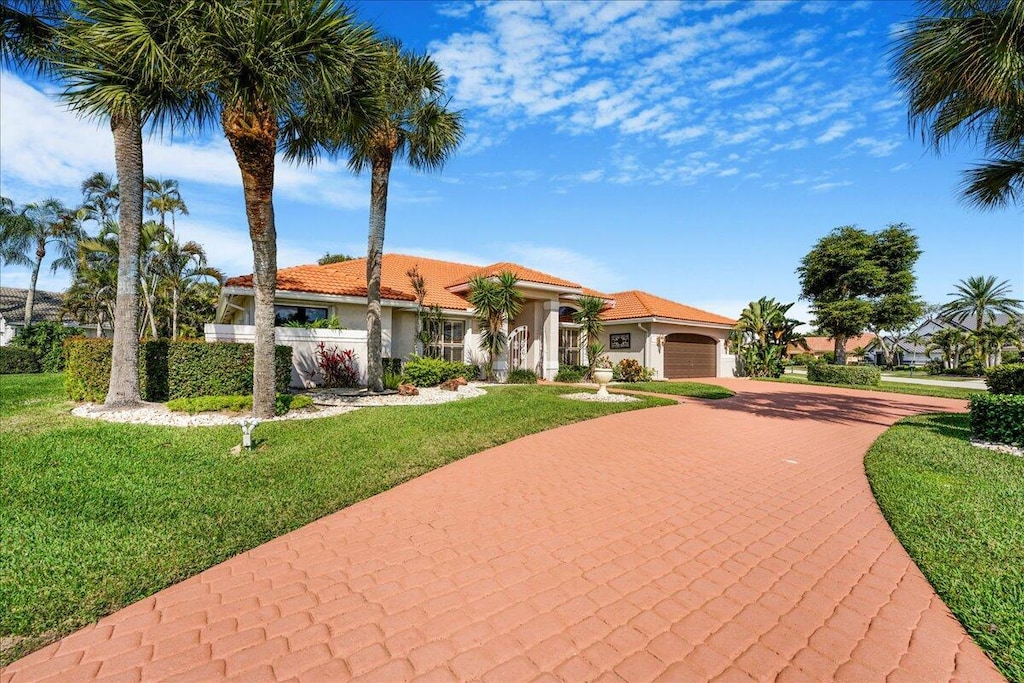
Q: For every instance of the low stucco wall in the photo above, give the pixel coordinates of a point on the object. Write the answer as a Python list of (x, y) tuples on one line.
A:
[(304, 344)]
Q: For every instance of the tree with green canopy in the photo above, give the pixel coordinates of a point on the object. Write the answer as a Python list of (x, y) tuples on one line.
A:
[(961, 65), (856, 280), (762, 336)]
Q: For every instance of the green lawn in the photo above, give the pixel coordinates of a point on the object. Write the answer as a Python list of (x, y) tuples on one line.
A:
[(94, 516), (959, 512), (890, 387), (692, 389), (921, 374)]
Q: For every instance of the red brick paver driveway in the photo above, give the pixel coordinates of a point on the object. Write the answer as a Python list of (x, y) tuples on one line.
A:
[(734, 539)]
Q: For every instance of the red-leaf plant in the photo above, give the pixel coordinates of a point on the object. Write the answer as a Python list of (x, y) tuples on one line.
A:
[(337, 367)]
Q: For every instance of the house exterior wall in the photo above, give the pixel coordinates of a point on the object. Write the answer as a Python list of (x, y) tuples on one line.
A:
[(647, 344)]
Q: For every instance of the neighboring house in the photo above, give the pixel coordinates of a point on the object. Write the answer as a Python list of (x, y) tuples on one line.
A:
[(918, 354), (46, 307), (819, 346), (676, 340)]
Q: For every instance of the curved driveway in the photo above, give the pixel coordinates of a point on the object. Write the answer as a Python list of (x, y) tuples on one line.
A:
[(734, 539)]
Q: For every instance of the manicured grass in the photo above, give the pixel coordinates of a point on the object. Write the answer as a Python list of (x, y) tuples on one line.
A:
[(921, 374), (692, 389), (890, 387), (94, 516), (959, 511)]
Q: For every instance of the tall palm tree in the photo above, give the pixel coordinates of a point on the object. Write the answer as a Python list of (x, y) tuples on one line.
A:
[(992, 339), (258, 58), (495, 301), (164, 197), (122, 61), (101, 195), (981, 297), (412, 122), (26, 234), (952, 343), (962, 67)]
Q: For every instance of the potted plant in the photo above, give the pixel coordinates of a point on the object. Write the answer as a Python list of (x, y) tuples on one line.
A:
[(602, 374)]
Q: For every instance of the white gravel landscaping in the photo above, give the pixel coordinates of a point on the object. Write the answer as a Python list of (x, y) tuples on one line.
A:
[(610, 398), (327, 405), (998, 447)]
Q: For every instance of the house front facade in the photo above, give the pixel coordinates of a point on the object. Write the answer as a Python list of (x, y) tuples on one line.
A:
[(676, 340)]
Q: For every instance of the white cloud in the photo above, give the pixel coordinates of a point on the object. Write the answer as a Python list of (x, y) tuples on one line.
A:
[(834, 132), (454, 10), (900, 167), (744, 76), (566, 263), (825, 187), (876, 147)]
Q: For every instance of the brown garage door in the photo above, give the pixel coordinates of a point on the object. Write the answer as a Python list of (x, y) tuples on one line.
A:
[(690, 355)]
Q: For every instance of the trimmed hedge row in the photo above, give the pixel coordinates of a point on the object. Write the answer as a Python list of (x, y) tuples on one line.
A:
[(169, 370), (1006, 379), (998, 417), (423, 371), (14, 361), (861, 375), (204, 404)]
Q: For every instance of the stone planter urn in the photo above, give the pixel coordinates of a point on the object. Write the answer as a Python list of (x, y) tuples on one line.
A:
[(602, 376)]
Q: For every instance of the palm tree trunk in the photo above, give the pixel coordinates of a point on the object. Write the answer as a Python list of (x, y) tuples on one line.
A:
[(30, 296), (381, 172), (124, 366), (840, 350), (254, 142), (174, 313)]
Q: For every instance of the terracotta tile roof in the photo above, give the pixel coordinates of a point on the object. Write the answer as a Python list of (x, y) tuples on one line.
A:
[(522, 272), (348, 278), (824, 344), (637, 304)]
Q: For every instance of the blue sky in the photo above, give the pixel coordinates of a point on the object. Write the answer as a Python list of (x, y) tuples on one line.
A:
[(694, 150)]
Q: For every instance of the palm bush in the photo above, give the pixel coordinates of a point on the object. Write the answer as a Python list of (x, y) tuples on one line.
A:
[(495, 302)]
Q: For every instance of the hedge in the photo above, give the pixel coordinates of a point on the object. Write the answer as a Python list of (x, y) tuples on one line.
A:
[(15, 361), (863, 375), (522, 376), (169, 370), (45, 340), (422, 371), (998, 417), (571, 374), (238, 404), (1006, 379)]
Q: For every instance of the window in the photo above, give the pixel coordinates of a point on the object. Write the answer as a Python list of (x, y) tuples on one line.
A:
[(297, 314), (448, 337), (568, 346)]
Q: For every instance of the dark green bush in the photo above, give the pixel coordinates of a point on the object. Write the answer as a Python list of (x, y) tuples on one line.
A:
[(1006, 379), (829, 357), (802, 359), (865, 375), (238, 404), (392, 365), (423, 371), (169, 370), (45, 341), (522, 376), (570, 374), (998, 417), (15, 361)]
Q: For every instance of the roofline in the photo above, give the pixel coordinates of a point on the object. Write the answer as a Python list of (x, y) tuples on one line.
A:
[(529, 284), (671, 321), (296, 295)]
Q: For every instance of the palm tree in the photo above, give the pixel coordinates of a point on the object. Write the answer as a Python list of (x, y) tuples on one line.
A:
[(258, 59), (412, 122), (951, 343), (25, 236), (101, 196), (122, 60), (588, 317), (164, 198), (962, 67), (179, 266), (981, 297), (762, 336), (28, 29), (495, 301), (992, 339)]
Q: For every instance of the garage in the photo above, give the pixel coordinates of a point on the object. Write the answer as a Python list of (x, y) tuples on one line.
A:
[(690, 355)]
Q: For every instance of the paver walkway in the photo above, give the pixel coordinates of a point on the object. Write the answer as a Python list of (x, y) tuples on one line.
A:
[(734, 539)]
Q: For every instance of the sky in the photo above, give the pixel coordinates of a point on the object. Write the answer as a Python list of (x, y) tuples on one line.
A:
[(695, 150)]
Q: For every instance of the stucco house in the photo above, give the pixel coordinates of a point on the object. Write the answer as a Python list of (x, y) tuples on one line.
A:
[(674, 339), (819, 346), (909, 353), (46, 307)]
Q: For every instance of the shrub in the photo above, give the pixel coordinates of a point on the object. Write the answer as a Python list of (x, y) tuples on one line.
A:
[(45, 341), (865, 375), (391, 379), (337, 367), (802, 359), (1006, 379), (236, 404), (522, 376), (169, 370), (829, 357), (629, 370), (998, 417), (423, 371), (392, 365), (15, 361), (570, 373), (1011, 357)]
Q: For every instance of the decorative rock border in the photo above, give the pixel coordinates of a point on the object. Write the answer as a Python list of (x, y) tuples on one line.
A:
[(998, 447), (596, 398), (157, 414)]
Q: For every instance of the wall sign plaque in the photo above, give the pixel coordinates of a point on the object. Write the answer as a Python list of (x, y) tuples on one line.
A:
[(619, 341)]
